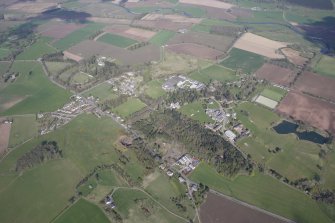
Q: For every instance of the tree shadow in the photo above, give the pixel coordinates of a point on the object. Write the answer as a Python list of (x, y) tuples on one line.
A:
[(64, 14)]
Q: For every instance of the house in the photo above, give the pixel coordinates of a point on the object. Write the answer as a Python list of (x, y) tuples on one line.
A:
[(169, 173), (109, 201), (231, 136), (181, 180)]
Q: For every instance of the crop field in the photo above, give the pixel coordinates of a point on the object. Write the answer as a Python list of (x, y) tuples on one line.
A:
[(276, 75), (4, 52), (208, 3), (35, 51), (83, 211), (131, 106), (58, 30), (196, 111), (154, 89), (162, 37), (207, 24), (141, 35), (260, 45), (78, 36), (317, 85), (191, 10), (214, 72), (315, 112), (103, 91), (23, 128), (246, 61), (164, 24), (273, 93), (5, 129), (326, 66), (117, 40), (196, 50), (264, 192), (294, 56), (4, 67), (31, 93), (266, 102)]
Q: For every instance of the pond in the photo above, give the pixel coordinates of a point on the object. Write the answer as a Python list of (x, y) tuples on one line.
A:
[(286, 127)]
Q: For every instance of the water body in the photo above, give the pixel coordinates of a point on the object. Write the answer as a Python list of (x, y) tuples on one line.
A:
[(286, 127)]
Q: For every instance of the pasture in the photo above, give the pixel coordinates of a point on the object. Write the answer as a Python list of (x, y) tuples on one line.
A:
[(4, 52), (117, 40), (246, 61), (326, 66), (276, 74), (191, 10), (162, 37), (36, 50), (273, 93), (154, 89), (78, 36), (264, 192), (214, 72), (131, 106), (5, 129), (56, 67), (32, 92), (196, 111), (195, 50), (4, 67), (102, 91), (83, 211)]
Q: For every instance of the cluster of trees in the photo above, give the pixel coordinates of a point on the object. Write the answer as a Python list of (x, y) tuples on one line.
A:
[(47, 150), (112, 103), (117, 218), (200, 141), (200, 194), (95, 34), (324, 195), (138, 45)]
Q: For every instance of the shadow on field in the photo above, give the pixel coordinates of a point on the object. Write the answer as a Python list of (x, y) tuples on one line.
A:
[(64, 14)]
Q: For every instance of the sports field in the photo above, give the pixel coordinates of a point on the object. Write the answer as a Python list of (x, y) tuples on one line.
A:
[(246, 61), (326, 66), (78, 36), (117, 40), (103, 91), (273, 93), (37, 50), (23, 128), (264, 192), (154, 89), (32, 92), (131, 106), (162, 37), (83, 211), (214, 72), (196, 111)]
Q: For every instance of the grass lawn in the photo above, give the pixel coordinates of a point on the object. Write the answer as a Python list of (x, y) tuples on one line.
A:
[(214, 72), (274, 93), (264, 192), (31, 93), (80, 78), (78, 36), (240, 59), (162, 37), (23, 128), (154, 89), (196, 111), (35, 51), (103, 91), (131, 106), (117, 40), (83, 211), (326, 66), (55, 67), (4, 52)]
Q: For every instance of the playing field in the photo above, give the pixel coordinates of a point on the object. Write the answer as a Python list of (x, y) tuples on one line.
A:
[(37, 50), (196, 111), (214, 72), (154, 89), (264, 192), (83, 211), (273, 93), (162, 37), (117, 40), (32, 92), (102, 91), (246, 61), (131, 106), (266, 102), (326, 66)]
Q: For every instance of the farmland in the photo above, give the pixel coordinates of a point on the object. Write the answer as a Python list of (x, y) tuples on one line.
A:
[(116, 40), (195, 50), (276, 75), (273, 93), (141, 35), (154, 89), (36, 51), (23, 128), (103, 91), (246, 61), (129, 107), (162, 37), (214, 72), (4, 137), (4, 52), (326, 66), (266, 101)]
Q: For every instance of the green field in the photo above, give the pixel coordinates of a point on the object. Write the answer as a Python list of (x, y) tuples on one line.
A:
[(117, 40), (326, 66), (131, 106), (35, 51), (207, 24), (191, 11), (56, 67), (4, 67), (78, 36), (264, 192), (196, 111), (246, 61), (214, 72), (4, 52), (154, 89), (83, 211), (23, 128), (31, 93), (162, 37), (80, 78), (273, 93), (103, 91)]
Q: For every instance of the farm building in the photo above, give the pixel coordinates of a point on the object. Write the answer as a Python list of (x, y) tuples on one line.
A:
[(230, 135)]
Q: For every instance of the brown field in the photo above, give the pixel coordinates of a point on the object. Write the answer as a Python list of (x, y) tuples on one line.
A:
[(140, 35), (72, 56), (142, 55), (109, 20), (216, 13), (195, 50), (221, 43), (162, 24), (4, 136), (150, 3), (208, 3), (260, 45), (317, 85), (171, 17), (218, 209), (308, 109), (8, 103), (31, 7), (59, 30), (276, 75), (294, 56)]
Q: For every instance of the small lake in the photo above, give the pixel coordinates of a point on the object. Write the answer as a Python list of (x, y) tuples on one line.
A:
[(286, 127)]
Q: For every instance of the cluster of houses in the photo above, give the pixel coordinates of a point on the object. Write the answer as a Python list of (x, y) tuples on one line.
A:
[(238, 131), (126, 84), (181, 81), (187, 163), (217, 115)]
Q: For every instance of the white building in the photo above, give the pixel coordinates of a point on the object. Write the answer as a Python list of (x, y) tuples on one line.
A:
[(230, 135)]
